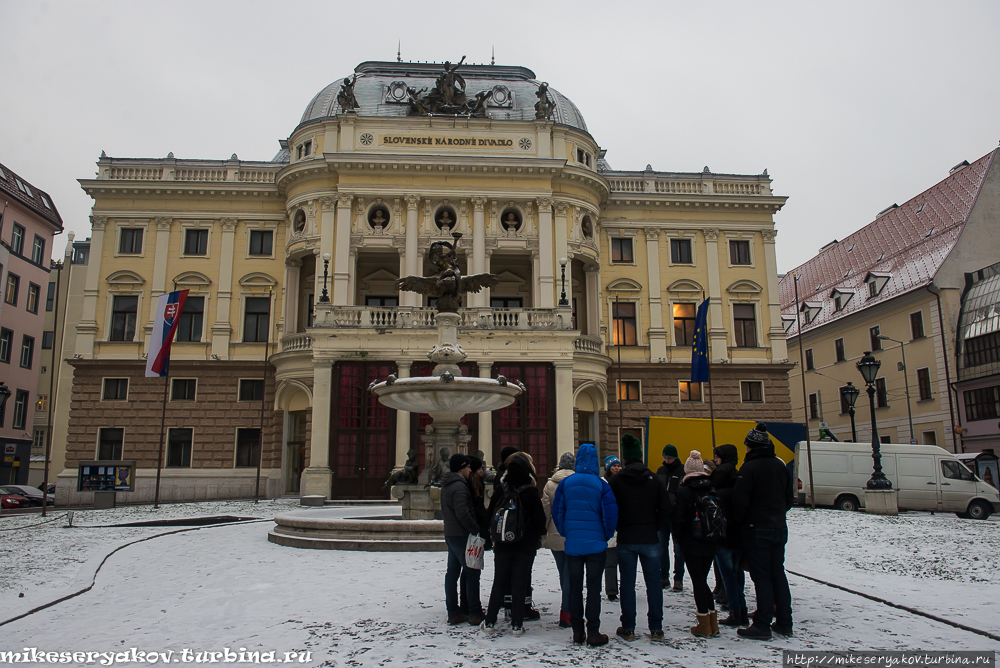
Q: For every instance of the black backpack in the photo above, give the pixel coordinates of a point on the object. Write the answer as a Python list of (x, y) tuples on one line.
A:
[(709, 521), (508, 521)]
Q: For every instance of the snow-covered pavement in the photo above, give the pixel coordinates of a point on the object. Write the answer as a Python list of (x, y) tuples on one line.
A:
[(227, 587)]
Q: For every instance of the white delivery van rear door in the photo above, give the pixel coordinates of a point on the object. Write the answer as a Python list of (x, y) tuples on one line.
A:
[(917, 482)]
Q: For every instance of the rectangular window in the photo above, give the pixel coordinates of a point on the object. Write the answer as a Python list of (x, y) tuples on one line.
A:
[(837, 303), (39, 439), (256, 319), (13, 287), (684, 316), (845, 405), (813, 406), (38, 250), (752, 391), (247, 447), (689, 391), (261, 242), (873, 334), (746, 325), (621, 250), (393, 301), (115, 389), (881, 394), (27, 351), (110, 442), (982, 403), (47, 340), (179, 448), (251, 389), (628, 390), (196, 242), (183, 389), (6, 343), (838, 347), (872, 289), (20, 410), (130, 241), (983, 349), (917, 325), (924, 383), (885, 439), (623, 315), (17, 239), (930, 437), (50, 297), (42, 404), (192, 317), (34, 293), (123, 313), (739, 252), (809, 360), (680, 251)]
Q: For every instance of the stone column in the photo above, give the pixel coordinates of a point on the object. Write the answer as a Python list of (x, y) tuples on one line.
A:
[(564, 406), (536, 293), (412, 257), (159, 284), (486, 420), (293, 270), (402, 420), (717, 334), (546, 261), (775, 331), (340, 295), (593, 273), (318, 478), (478, 247), (86, 329), (327, 234), (657, 334), (221, 329), (352, 276)]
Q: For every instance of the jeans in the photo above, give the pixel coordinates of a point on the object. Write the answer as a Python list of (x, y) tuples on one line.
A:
[(511, 569), (629, 556), (470, 603), (766, 556), (732, 577), (563, 568), (611, 572), (594, 564), (699, 566), (664, 535)]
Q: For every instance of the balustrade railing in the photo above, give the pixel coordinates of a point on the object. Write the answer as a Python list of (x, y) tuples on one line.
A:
[(403, 317), (589, 344), (692, 185), (296, 342)]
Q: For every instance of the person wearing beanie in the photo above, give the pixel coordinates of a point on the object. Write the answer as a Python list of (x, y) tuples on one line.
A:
[(612, 467), (699, 552), (552, 540), (761, 497), (670, 475), (730, 548), (477, 489), (643, 507), (459, 522), (610, 462)]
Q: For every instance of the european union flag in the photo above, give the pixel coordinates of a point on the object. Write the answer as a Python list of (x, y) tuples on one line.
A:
[(699, 352)]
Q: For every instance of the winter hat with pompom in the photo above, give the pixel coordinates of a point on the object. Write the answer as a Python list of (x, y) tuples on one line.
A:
[(610, 461), (631, 448), (694, 466), (757, 436)]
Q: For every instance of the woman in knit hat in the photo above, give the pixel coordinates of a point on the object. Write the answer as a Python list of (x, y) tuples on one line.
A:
[(612, 467), (552, 540), (699, 552)]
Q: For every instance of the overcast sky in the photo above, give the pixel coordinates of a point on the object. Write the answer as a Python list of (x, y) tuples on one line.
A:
[(850, 106)]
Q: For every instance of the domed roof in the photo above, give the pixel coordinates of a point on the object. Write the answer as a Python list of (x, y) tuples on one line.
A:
[(381, 91)]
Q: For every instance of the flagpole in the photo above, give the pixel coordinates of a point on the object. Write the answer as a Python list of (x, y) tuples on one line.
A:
[(163, 422), (805, 409), (711, 395)]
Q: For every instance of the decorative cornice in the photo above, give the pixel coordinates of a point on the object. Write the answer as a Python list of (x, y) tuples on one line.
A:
[(711, 234), (228, 224)]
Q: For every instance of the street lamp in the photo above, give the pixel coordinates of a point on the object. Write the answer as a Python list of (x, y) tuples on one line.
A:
[(324, 298), (869, 366), (562, 300), (851, 394), (906, 382)]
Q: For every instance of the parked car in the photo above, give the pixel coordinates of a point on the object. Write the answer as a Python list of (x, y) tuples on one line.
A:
[(925, 477), (33, 493), (52, 488), (11, 499)]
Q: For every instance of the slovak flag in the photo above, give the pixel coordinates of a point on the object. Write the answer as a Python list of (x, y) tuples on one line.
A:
[(168, 315)]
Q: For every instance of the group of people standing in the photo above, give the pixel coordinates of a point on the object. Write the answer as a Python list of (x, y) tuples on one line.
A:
[(727, 516)]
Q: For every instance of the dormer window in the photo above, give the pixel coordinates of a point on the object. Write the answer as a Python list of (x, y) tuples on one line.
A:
[(837, 302), (872, 289), (875, 282), (810, 310), (840, 298)]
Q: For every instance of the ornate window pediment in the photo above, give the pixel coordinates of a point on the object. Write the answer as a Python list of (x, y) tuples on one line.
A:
[(125, 278), (192, 279), (744, 286), (381, 281), (624, 285), (258, 280), (684, 285)]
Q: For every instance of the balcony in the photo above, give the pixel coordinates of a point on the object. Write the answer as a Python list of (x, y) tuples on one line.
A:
[(403, 317)]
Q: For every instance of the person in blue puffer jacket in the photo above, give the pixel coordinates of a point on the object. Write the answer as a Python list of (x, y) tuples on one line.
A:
[(586, 514)]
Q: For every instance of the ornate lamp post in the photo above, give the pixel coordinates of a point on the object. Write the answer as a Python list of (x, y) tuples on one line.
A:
[(869, 366), (324, 298), (906, 382), (562, 300), (851, 394)]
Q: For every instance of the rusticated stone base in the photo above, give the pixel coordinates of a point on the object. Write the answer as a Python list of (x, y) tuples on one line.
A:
[(418, 502)]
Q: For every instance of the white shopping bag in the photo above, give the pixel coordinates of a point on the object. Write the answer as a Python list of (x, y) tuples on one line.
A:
[(474, 552)]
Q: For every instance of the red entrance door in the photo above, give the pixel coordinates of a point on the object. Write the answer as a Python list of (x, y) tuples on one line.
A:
[(529, 424), (363, 434)]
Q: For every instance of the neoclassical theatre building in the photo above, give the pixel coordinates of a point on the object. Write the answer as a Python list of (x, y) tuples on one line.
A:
[(293, 309)]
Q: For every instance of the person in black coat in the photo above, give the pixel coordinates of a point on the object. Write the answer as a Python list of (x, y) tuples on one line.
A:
[(761, 497), (699, 553), (513, 561), (730, 549), (670, 474)]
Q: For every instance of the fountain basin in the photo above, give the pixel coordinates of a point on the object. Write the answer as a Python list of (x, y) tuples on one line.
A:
[(446, 401), (328, 530)]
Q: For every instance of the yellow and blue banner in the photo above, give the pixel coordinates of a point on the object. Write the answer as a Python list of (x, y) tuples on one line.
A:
[(687, 434)]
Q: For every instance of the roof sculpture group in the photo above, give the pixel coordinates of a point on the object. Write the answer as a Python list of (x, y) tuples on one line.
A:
[(448, 97)]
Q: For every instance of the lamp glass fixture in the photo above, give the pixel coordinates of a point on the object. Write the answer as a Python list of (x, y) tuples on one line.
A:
[(851, 393), (869, 366)]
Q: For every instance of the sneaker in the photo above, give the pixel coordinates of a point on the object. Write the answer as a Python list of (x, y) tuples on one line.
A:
[(782, 630), (597, 639), (678, 585), (754, 632), (458, 619), (579, 638), (564, 620), (518, 631), (487, 628), (626, 634), (531, 615), (656, 635)]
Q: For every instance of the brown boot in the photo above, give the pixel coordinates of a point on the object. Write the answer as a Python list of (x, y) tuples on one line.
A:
[(713, 617), (704, 628)]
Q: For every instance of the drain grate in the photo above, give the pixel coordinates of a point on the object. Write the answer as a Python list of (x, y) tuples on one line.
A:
[(188, 521)]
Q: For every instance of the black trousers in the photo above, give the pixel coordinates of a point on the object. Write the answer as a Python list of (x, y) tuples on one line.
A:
[(699, 567), (511, 570), (766, 557)]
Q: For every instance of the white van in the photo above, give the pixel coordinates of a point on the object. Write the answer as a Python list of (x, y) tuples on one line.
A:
[(926, 477)]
